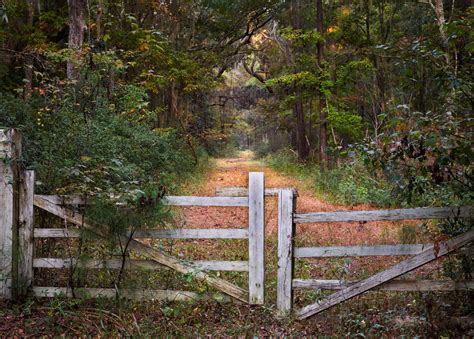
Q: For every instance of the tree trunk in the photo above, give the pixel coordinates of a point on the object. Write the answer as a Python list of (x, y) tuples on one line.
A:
[(31, 4), (172, 103), (323, 124), (298, 113), (298, 109), (98, 20), (77, 26)]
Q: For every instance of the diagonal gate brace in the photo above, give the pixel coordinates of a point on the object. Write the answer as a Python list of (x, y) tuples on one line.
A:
[(150, 252), (430, 254)]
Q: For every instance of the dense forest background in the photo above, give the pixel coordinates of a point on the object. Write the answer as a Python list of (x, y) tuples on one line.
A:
[(122, 95), (360, 102)]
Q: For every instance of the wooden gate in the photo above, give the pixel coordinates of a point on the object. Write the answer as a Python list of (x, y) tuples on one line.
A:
[(17, 234), (423, 253)]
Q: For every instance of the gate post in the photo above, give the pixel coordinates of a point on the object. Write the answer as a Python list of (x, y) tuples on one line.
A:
[(285, 252), (10, 150), (256, 238), (25, 232)]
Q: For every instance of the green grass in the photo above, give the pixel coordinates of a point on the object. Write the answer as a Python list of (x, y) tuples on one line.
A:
[(349, 183)]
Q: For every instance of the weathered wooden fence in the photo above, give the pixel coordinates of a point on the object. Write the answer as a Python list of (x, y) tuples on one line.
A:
[(17, 229), (17, 234), (423, 253)]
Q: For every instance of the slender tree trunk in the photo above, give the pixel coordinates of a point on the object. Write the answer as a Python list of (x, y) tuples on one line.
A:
[(172, 103), (298, 109), (438, 8), (31, 5), (323, 124), (77, 26), (98, 19), (298, 112)]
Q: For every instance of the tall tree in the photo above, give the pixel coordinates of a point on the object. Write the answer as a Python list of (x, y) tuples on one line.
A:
[(77, 26), (323, 124), (298, 108), (31, 5)]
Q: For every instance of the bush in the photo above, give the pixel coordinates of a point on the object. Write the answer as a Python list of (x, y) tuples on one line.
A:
[(100, 155)]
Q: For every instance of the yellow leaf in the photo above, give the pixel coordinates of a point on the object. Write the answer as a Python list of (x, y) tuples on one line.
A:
[(143, 47)]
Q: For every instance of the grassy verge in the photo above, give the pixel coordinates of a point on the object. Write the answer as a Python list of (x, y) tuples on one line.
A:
[(348, 184)]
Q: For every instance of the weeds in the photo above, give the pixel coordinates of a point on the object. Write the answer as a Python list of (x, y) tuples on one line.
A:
[(349, 183)]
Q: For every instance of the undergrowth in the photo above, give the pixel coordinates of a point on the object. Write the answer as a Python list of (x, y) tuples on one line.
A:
[(349, 183)]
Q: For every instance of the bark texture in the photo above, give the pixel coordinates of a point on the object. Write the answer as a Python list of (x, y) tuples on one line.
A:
[(77, 27)]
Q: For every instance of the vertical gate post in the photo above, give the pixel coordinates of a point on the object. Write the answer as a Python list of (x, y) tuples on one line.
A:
[(25, 232), (256, 238), (10, 150), (285, 251)]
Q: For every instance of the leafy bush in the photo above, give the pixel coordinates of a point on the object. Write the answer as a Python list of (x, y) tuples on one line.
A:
[(100, 155), (101, 148), (427, 157)]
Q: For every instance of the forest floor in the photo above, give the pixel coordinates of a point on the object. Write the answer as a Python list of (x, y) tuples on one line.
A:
[(372, 314)]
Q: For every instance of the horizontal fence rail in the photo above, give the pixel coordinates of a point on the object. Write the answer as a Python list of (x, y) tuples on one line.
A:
[(134, 294), (207, 201), (394, 285), (395, 214), (359, 251), (230, 201), (244, 192), (191, 233), (208, 265)]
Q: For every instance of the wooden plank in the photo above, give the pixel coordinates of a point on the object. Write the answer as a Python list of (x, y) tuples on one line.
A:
[(394, 285), (197, 233), (193, 233), (359, 251), (135, 294), (207, 265), (150, 252), (285, 252), (396, 214), (206, 201), (56, 233), (244, 192), (64, 199), (403, 267), (169, 200), (256, 238), (10, 150), (25, 232)]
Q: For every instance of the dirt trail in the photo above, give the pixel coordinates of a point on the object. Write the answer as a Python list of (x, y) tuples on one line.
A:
[(234, 172)]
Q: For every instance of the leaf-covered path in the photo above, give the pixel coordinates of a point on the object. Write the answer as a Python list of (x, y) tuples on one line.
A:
[(233, 172)]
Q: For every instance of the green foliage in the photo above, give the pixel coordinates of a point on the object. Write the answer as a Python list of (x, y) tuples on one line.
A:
[(427, 157), (304, 78), (103, 152), (300, 37), (103, 156), (350, 183), (345, 123)]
